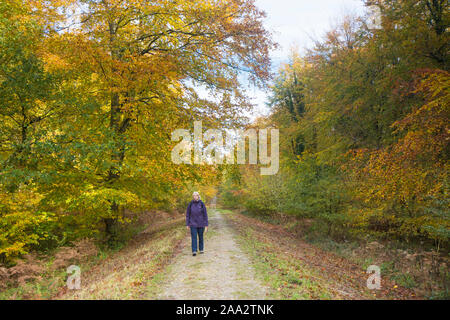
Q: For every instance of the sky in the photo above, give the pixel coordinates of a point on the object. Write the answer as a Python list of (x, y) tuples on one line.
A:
[(293, 23)]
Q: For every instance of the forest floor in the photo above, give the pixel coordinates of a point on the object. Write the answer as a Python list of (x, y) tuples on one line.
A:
[(244, 258)]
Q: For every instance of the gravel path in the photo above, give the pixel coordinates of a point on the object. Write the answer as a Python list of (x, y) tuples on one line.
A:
[(222, 272)]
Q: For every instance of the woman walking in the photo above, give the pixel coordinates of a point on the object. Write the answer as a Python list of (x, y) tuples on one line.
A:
[(197, 221)]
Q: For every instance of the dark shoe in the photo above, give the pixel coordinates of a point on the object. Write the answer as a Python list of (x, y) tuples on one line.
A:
[(194, 254), (201, 251)]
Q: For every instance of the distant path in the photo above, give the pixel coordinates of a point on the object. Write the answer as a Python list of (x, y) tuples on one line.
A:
[(224, 271)]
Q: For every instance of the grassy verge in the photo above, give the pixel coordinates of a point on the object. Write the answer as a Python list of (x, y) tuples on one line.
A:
[(120, 273), (423, 271), (296, 269), (132, 273), (286, 276)]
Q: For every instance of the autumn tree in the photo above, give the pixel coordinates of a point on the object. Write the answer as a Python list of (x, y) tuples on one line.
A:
[(363, 118), (90, 93), (147, 60), (32, 97)]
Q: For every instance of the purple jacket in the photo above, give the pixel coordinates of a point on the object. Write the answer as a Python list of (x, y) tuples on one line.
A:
[(196, 215)]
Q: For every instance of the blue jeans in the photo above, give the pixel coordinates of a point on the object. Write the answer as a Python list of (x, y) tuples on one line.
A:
[(194, 232)]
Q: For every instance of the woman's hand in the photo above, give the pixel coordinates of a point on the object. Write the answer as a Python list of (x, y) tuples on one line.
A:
[(206, 229), (187, 227)]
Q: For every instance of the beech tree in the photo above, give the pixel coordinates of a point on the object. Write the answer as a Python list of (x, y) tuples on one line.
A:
[(105, 84)]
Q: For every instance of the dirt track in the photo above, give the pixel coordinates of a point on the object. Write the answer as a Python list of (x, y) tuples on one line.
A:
[(223, 272)]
